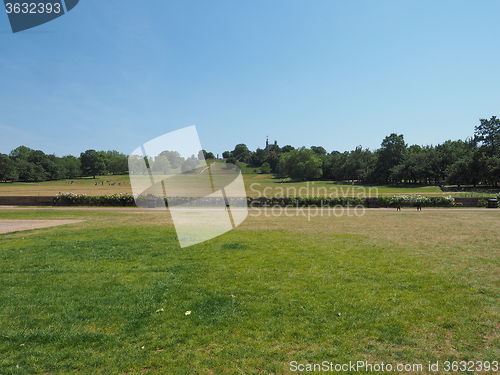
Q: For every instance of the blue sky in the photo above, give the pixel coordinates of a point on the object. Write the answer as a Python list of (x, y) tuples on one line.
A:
[(114, 74)]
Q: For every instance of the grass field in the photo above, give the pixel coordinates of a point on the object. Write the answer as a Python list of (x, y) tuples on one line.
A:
[(257, 185), (110, 295)]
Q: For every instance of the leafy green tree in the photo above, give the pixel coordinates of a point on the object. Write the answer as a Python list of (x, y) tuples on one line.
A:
[(47, 168), (287, 148), (487, 134), (241, 153), (273, 159), (27, 171), (92, 163), (190, 164), (208, 155), (231, 160), (137, 165), (265, 168), (116, 162), (358, 164), (334, 167), (390, 154), (20, 153), (70, 166), (226, 154), (319, 150), (449, 153), (161, 165), (493, 165), (174, 158), (459, 171), (259, 157), (8, 170), (471, 169), (301, 164)]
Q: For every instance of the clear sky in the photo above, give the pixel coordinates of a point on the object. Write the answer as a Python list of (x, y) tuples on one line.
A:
[(113, 74)]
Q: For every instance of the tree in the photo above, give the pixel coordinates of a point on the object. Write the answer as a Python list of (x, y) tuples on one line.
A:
[(450, 152), (190, 164), (174, 158), (226, 154), (487, 134), (161, 165), (116, 162), (493, 166), (240, 152), (390, 154), (334, 167), (47, 168), (70, 166), (301, 164), (265, 168), (137, 165), (230, 162), (8, 170), (92, 163), (358, 164), (27, 171), (259, 157), (319, 150), (207, 155), (287, 148), (20, 153), (273, 159)]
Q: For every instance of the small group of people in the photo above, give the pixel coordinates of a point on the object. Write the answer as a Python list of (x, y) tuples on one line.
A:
[(109, 183)]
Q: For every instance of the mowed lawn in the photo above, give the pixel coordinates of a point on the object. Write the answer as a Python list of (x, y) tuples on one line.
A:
[(110, 295)]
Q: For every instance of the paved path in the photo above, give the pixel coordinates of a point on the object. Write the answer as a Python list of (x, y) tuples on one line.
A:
[(143, 209)]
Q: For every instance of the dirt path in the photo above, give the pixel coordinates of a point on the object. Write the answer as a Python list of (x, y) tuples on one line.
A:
[(7, 226), (204, 169)]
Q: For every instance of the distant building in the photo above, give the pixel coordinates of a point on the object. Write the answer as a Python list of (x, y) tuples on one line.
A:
[(268, 146)]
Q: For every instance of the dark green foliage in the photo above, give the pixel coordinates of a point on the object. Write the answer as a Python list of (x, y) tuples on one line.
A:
[(265, 168), (300, 164), (259, 157), (487, 134), (8, 170), (92, 163), (231, 160), (390, 154), (240, 152)]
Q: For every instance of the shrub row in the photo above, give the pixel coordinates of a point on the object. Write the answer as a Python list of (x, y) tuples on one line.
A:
[(70, 199), (443, 201), (128, 200)]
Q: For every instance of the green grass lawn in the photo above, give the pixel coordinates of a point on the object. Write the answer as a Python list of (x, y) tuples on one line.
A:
[(409, 287), (257, 185)]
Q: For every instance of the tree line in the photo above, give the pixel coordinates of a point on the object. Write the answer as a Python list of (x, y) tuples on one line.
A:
[(473, 161), (26, 164)]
